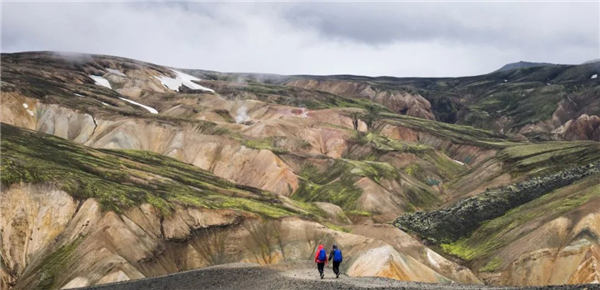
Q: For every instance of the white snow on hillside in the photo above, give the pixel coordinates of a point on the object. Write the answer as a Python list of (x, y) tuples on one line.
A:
[(594, 76), (150, 109), (461, 163), (182, 79), (115, 71), (100, 81), (27, 109)]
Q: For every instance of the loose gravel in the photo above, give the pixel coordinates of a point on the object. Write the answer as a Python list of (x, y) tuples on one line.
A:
[(301, 276)]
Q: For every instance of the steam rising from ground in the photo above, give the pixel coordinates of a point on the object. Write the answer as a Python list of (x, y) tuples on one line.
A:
[(241, 115), (73, 57)]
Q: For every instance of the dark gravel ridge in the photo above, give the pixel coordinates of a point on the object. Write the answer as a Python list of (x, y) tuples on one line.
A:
[(245, 276), (449, 224)]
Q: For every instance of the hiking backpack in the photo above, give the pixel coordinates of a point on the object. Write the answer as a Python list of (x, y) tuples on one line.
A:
[(322, 255), (337, 255)]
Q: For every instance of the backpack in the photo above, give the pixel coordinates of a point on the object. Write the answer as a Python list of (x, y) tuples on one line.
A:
[(322, 255), (337, 255)]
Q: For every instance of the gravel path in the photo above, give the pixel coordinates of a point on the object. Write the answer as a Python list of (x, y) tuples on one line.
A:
[(291, 276)]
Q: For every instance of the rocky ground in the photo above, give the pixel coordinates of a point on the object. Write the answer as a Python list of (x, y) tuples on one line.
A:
[(290, 276)]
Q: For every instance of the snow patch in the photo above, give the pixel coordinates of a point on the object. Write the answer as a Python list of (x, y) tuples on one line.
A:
[(241, 115), (505, 81), (150, 109), (30, 112), (182, 79), (100, 81), (79, 95), (116, 71), (461, 163), (594, 76), (103, 103)]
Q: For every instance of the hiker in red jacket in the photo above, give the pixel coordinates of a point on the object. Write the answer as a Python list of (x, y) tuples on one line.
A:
[(321, 259)]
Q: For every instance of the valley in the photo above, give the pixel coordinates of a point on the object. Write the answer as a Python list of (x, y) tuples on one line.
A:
[(117, 170)]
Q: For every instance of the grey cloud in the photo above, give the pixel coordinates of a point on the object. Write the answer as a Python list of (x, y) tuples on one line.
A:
[(498, 23), (401, 39)]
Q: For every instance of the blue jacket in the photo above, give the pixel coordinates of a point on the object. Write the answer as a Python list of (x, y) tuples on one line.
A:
[(336, 255)]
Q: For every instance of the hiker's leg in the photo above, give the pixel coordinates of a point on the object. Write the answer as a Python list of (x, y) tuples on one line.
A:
[(321, 266), (336, 268)]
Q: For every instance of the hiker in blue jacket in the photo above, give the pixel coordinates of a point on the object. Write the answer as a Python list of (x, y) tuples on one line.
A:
[(336, 255)]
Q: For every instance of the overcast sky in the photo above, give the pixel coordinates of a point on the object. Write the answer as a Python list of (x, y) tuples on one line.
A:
[(397, 39)]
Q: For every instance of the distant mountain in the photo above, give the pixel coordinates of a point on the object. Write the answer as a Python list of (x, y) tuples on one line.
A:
[(596, 60), (522, 64)]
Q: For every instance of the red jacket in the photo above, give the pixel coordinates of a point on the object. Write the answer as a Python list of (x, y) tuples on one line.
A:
[(317, 255)]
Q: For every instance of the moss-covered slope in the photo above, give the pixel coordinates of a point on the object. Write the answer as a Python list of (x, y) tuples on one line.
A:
[(120, 179), (459, 220), (499, 232)]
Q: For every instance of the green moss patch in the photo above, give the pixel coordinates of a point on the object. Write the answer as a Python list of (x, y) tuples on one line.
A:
[(55, 263), (336, 184), (496, 233), (269, 143), (298, 97), (461, 219), (547, 157), (120, 179), (459, 134)]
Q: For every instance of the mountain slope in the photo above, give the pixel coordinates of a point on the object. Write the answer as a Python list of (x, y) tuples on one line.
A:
[(167, 161), (255, 141), (522, 64), (540, 231), (112, 215), (533, 102)]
